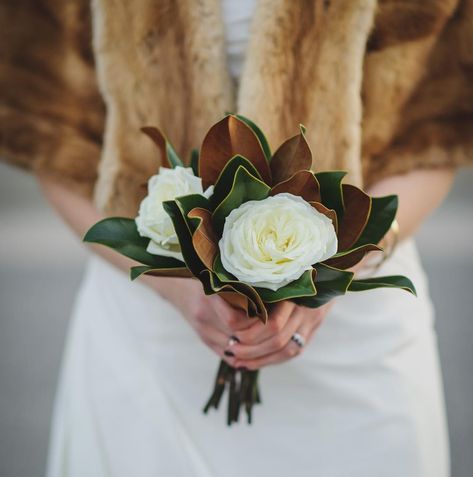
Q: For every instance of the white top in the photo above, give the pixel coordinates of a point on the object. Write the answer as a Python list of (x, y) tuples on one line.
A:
[(237, 16)]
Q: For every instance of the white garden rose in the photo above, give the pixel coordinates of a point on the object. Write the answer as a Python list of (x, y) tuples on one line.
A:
[(153, 221), (272, 242)]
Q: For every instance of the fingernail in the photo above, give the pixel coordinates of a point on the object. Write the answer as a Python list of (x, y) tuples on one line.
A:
[(228, 353)]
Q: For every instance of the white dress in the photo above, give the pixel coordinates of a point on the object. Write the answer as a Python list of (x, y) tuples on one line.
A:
[(363, 400)]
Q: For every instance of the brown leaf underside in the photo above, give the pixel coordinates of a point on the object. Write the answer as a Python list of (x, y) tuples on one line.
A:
[(229, 137), (158, 138), (302, 183), (204, 239), (330, 213), (357, 211), (292, 156)]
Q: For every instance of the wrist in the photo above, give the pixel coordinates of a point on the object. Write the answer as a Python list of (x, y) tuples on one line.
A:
[(175, 290)]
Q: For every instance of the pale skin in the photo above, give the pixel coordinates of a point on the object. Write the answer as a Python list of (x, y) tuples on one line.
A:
[(420, 193)]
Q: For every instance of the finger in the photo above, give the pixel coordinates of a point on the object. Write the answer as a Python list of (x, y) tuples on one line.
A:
[(310, 326), (217, 341), (259, 332), (291, 350), (230, 319), (273, 344)]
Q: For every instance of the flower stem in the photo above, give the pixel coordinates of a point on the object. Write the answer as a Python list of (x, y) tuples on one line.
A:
[(242, 391)]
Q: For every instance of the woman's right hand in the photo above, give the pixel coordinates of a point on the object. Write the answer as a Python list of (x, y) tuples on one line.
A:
[(211, 317)]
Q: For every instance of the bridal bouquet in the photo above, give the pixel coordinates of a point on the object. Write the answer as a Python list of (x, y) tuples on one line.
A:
[(254, 227)]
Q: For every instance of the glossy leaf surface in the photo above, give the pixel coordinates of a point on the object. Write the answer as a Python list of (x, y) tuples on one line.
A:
[(245, 187), (391, 281), (120, 234)]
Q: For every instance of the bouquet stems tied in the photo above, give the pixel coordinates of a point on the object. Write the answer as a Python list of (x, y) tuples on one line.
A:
[(243, 391)]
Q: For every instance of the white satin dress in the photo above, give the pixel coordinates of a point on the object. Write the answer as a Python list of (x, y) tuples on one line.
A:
[(363, 400)]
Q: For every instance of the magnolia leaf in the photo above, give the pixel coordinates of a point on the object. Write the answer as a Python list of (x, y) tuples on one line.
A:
[(239, 301), (221, 271), (225, 180), (302, 183), (121, 235), (204, 239), (292, 156), (331, 190), (330, 283), (391, 281), (330, 213), (302, 287), (169, 157), (189, 202), (383, 212), (350, 258), (245, 187), (262, 138), (227, 138), (194, 161), (184, 234), (256, 306), (136, 272), (355, 217)]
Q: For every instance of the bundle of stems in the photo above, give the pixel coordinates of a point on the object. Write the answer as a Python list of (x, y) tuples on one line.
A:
[(243, 391)]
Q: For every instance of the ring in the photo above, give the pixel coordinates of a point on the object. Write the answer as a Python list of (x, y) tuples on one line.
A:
[(298, 339), (233, 341)]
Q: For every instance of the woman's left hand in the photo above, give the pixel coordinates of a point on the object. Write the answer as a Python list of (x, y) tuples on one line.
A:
[(271, 343)]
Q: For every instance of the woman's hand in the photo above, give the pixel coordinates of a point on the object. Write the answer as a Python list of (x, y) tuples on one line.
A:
[(261, 344), (211, 317), (238, 340)]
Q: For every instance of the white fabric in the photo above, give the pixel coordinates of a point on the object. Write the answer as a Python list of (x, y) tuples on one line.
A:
[(364, 399)]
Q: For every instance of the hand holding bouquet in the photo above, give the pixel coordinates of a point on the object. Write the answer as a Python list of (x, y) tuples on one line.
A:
[(254, 227)]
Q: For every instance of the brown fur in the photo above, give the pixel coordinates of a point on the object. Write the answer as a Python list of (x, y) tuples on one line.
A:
[(382, 86), (51, 114)]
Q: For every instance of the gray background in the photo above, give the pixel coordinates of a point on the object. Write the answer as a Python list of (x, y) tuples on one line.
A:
[(40, 268)]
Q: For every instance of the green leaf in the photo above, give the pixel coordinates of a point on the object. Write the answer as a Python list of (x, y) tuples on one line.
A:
[(221, 272), (173, 156), (331, 191), (194, 161), (245, 187), (391, 281), (221, 280), (329, 283), (187, 203), (184, 234), (261, 137), (349, 258), (383, 212), (120, 234), (302, 287), (225, 180), (169, 156), (136, 272)]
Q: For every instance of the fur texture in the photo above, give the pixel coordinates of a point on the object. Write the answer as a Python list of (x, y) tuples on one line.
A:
[(51, 113), (383, 86)]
